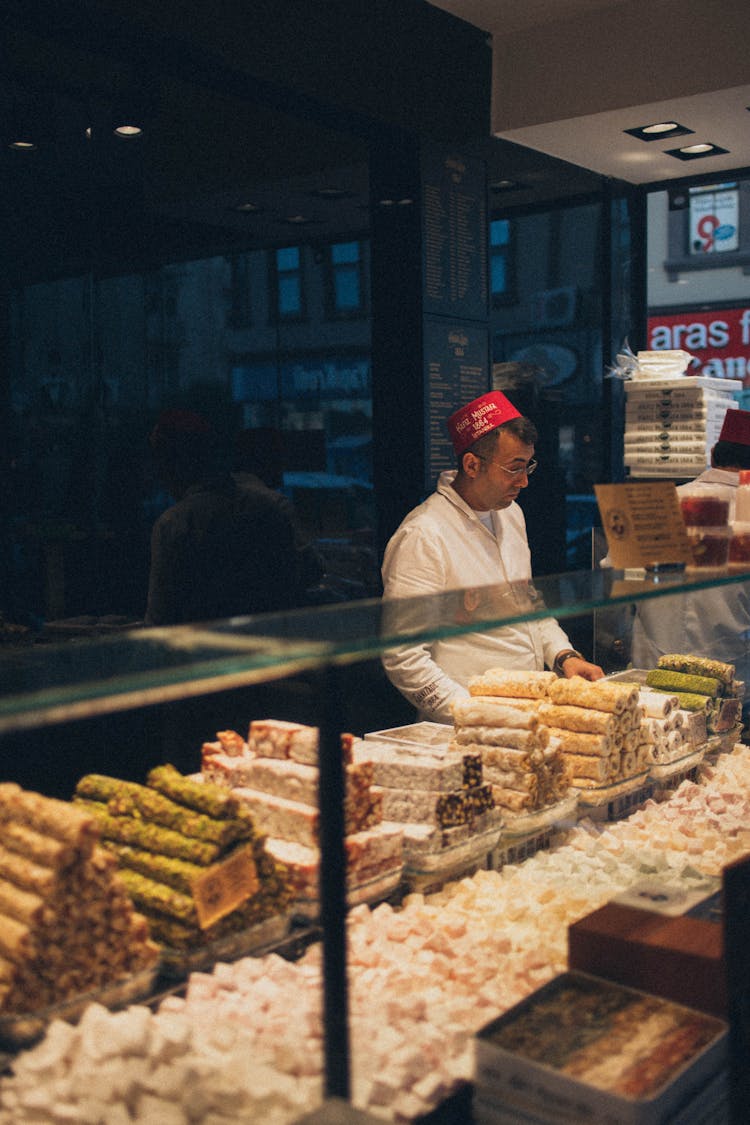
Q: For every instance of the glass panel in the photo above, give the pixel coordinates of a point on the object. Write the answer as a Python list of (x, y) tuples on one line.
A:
[(44, 684)]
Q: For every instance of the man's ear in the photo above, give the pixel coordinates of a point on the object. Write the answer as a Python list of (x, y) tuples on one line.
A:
[(471, 464)]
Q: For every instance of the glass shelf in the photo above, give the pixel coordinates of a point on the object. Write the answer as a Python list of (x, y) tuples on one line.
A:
[(47, 683)]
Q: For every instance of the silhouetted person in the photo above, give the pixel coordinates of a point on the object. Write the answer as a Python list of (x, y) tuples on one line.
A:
[(258, 461), (225, 548)]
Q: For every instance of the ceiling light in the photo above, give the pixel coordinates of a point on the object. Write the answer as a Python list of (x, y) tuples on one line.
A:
[(658, 130), (247, 208), (128, 132), (696, 152), (506, 185)]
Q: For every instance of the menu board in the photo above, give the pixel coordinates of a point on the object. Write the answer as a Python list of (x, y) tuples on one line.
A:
[(454, 234), (456, 360), (643, 524)]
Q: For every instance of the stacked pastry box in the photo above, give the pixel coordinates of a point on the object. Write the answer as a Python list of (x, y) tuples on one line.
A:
[(671, 424), (193, 862), (273, 774), (433, 789), (68, 931), (584, 1050)]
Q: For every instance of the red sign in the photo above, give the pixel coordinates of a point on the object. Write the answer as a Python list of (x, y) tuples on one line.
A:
[(719, 340)]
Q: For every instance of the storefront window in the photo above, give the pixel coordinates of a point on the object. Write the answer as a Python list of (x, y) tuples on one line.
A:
[(345, 279), (501, 271), (289, 284)]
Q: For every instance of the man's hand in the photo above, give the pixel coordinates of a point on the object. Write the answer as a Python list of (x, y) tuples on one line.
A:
[(577, 666)]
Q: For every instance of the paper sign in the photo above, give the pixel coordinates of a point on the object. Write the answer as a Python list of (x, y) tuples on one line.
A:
[(224, 886), (643, 524)]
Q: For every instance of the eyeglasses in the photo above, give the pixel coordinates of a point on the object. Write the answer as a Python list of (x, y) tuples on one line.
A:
[(525, 470)]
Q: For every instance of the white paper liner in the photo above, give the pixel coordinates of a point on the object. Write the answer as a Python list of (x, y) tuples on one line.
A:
[(602, 795), (434, 736), (24, 1028), (372, 891), (661, 770), (230, 947), (525, 824), (428, 869), (723, 743)]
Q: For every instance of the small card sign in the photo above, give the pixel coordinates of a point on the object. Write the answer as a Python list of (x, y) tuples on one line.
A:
[(643, 524), (224, 886)]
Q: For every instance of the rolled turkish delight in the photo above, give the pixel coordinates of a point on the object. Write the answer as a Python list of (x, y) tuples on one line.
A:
[(589, 767), (517, 738), (47, 815), (501, 757), (585, 719), (683, 682), (152, 837), (45, 850), (656, 705), (206, 798), (522, 780), (698, 666), (512, 799), (687, 701), (25, 873), (600, 695), (16, 940), (511, 683), (22, 905), (177, 873), (127, 798), (579, 742), (151, 896), (486, 711)]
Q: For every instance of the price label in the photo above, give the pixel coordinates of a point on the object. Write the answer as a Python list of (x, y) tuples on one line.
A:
[(224, 886)]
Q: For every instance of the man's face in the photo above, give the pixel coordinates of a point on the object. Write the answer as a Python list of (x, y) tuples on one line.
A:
[(493, 485)]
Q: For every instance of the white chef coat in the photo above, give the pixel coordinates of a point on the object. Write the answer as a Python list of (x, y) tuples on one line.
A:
[(713, 623), (443, 545)]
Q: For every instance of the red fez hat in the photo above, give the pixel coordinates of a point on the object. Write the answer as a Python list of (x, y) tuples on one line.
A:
[(477, 418), (736, 427)]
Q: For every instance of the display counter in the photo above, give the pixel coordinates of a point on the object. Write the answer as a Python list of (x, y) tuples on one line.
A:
[(308, 661)]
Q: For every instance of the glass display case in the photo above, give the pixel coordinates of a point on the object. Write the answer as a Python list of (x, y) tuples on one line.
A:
[(320, 664)]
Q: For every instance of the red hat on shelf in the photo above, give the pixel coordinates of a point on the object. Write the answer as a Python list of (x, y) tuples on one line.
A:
[(736, 427), (478, 417)]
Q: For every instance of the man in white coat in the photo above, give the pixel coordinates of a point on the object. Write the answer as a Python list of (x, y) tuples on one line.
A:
[(467, 537)]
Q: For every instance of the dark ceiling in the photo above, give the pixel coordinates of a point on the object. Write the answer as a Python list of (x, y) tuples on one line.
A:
[(259, 126)]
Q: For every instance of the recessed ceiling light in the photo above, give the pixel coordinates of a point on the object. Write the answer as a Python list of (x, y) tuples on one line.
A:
[(696, 152), (22, 146), (506, 185), (658, 130), (247, 208), (128, 132)]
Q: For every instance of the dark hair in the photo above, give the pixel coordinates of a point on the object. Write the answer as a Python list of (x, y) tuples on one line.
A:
[(730, 455), (521, 427)]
